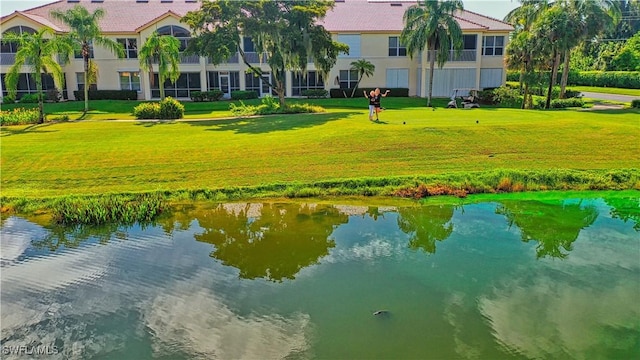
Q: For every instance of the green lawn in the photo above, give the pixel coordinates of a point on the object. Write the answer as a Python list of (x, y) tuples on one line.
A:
[(94, 157)]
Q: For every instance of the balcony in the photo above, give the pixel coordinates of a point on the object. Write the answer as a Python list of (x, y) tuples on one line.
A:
[(232, 60), (7, 59), (465, 55), (189, 59), (255, 58)]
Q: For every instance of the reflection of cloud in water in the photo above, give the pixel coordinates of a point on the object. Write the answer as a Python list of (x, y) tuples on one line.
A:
[(553, 319), (201, 325), (375, 248), (16, 235), (362, 210)]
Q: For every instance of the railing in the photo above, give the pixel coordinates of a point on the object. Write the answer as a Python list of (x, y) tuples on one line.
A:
[(254, 57), (7, 58), (232, 60), (465, 55), (189, 59)]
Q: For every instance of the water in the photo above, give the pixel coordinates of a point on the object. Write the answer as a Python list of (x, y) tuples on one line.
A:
[(508, 279)]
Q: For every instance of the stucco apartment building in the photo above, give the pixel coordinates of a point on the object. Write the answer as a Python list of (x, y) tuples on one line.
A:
[(371, 28)]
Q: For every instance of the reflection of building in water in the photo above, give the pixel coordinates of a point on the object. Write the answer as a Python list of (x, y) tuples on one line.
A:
[(270, 241), (555, 226)]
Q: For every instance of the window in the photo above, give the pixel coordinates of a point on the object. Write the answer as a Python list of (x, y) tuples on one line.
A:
[(213, 78), (130, 80), (469, 41), (247, 45), (312, 80), (80, 82), (27, 84), (348, 78), (78, 54), (130, 47), (182, 88), (10, 47), (354, 45), (183, 35), (492, 45), (395, 47)]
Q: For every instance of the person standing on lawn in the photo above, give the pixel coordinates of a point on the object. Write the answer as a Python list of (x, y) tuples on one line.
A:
[(372, 107), (376, 103)]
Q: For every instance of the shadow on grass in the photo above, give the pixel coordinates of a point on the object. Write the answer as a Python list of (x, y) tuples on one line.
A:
[(35, 128), (152, 123), (272, 123)]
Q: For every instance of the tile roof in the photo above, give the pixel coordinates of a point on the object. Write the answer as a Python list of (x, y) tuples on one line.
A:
[(386, 15), (129, 16)]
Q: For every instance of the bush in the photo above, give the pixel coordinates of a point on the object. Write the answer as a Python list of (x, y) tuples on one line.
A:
[(635, 103), (244, 94), (29, 99), (19, 116), (213, 95), (147, 110), (314, 93), (107, 95), (565, 103), (8, 99), (395, 92), (171, 108), (270, 105), (619, 79), (53, 95)]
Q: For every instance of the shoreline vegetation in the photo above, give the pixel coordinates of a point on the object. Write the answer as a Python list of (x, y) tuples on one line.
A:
[(128, 208)]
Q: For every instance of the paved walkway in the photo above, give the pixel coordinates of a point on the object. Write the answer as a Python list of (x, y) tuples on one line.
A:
[(612, 97)]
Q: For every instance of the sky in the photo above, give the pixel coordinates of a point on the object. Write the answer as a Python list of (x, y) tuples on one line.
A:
[(494, 8)]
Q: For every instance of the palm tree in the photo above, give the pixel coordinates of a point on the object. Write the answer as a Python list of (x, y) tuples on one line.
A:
[(364, 68), (85, 31), (431, 24), (37, 51), (165, 50)]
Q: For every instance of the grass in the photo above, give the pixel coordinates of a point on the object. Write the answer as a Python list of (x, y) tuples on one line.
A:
[(102, 157)]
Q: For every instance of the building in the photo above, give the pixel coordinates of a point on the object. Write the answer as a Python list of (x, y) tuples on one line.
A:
[(371, 28)]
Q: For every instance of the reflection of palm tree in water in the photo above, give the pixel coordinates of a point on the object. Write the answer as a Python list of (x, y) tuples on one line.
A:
[(275, 242), (426, 225), (555, 226)]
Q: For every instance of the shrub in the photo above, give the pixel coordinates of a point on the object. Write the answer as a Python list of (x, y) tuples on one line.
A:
[(270, 105), (635, 103), (64, 117), (506, 96), (19, 116), (53, 95), (314, 93), (619, 79), (147, 110), (302, 108), (197, 96), (29, 99), (8, 99), (107, 95), (565, 103), (171, 108), (244, 94), (214, 95)]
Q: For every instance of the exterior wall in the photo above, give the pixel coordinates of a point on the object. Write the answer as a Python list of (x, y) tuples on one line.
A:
[(374, 47)]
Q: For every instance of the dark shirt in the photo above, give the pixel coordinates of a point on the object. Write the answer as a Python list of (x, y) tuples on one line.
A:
[(376, 100), (371, 100)]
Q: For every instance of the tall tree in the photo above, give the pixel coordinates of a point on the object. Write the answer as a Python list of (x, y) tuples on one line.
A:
[(431, 24), (364, 68), (286, 31), (165, 50), (84, 31), (588, 18), (36, 51)]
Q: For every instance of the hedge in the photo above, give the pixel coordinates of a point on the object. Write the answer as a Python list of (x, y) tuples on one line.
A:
[(314, 93), (395, 92), (635, 103), (618, 79), (212, 95), (107, 95), (244, 94)]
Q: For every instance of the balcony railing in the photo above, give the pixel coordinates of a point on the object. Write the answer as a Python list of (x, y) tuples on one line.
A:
[(7, 59), (232, 60), (189, 59), (255, 58), (465, 55)]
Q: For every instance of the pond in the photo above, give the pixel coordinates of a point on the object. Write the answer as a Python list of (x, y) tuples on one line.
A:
[(500, 279)]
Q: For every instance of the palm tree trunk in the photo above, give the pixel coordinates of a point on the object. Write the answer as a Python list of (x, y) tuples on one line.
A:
[(526, 93), (161, 86), (521, 79), (85, 55), (565, 74), (353, 93), (554, 74), (432, 65), (38, 77)]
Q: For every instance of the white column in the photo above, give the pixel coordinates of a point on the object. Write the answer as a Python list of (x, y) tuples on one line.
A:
[(423, 66), (203, 73), (478, 59)]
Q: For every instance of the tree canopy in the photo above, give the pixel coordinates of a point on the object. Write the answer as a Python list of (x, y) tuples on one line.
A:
[(287, 32)]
